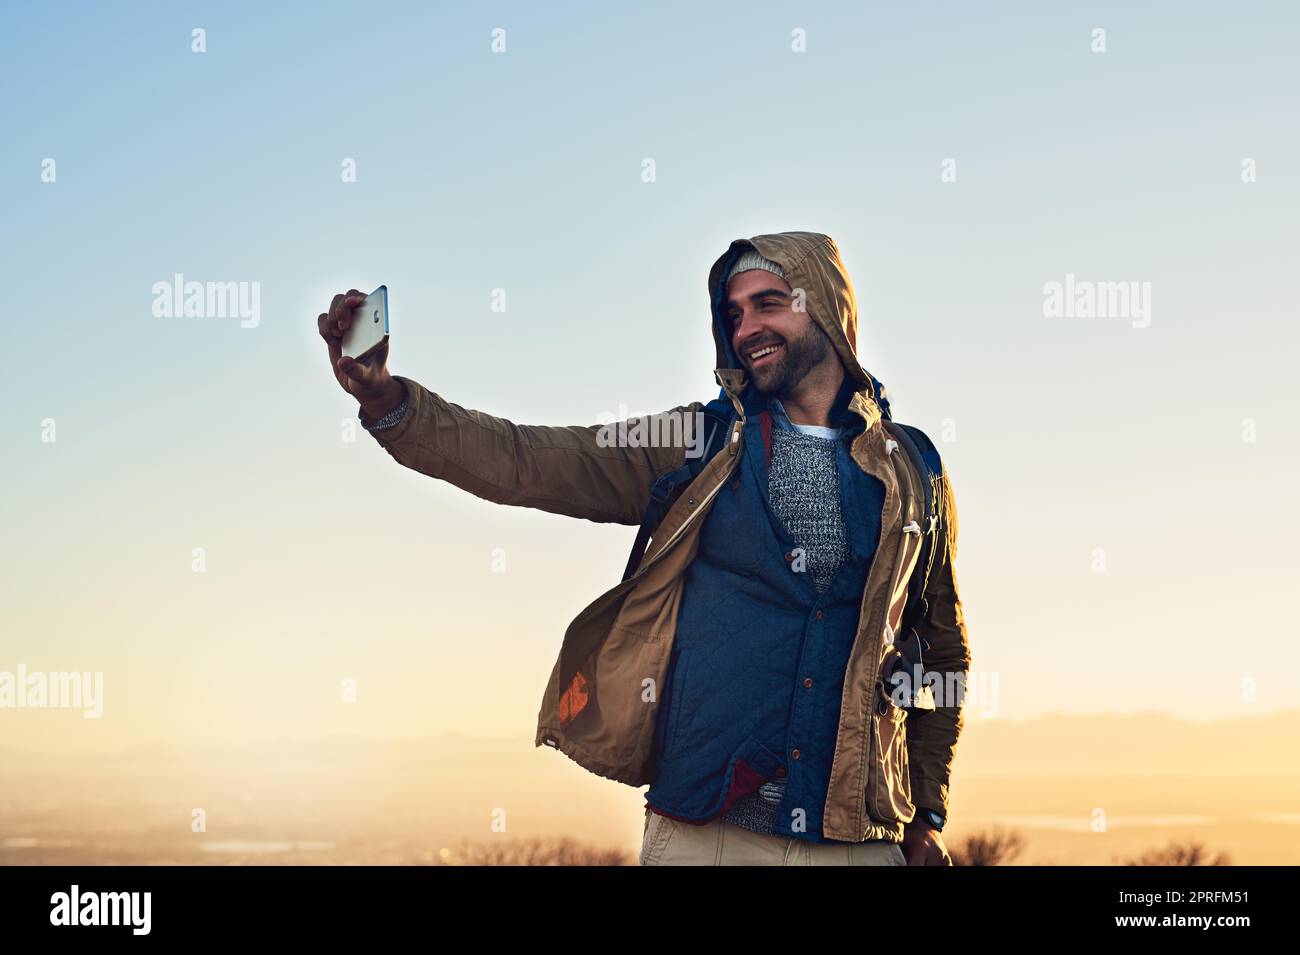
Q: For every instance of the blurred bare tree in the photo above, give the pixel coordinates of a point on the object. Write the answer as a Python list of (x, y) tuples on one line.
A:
[(995, 846), (564, 851), (1180, 853)]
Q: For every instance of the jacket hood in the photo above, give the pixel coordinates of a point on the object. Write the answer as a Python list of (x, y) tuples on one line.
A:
[(812, 262)]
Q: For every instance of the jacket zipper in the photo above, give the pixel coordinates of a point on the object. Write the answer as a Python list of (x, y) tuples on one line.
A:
[(872, 744)]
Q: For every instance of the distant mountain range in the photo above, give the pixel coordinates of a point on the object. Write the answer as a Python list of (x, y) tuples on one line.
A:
[(1145, 743), (1055, 744)]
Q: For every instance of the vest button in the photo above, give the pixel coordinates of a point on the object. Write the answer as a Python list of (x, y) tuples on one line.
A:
[(794, 754), (807, 681), (789, 557), (818, 615), (735, 485), (780, 772)]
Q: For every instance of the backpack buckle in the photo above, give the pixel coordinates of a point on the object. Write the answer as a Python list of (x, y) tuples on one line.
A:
[(923, 699), (909, 690), (659, 493)]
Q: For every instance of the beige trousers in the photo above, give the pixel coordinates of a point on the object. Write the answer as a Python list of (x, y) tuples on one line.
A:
[(669, 842)]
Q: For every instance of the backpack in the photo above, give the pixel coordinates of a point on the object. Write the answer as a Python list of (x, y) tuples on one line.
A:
[(925, 461)]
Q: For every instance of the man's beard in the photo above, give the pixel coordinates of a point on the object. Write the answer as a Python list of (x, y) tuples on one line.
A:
[(797, 358)]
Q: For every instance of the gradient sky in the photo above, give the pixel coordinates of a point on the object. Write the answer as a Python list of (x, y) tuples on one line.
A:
[(522, 171)]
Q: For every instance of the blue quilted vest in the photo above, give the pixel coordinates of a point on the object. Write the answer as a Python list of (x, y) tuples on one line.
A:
[(757, 667)]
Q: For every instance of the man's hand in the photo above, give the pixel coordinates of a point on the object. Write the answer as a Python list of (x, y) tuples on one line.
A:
[(370, 383), (924, 846)]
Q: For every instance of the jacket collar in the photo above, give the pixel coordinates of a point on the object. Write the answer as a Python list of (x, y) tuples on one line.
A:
[(852, 404)]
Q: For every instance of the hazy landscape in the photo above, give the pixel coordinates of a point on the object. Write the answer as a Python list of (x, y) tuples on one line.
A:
[(1232, 786)]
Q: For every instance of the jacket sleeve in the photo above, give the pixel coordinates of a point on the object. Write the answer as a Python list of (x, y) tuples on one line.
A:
[(577, 471), (932, 737)]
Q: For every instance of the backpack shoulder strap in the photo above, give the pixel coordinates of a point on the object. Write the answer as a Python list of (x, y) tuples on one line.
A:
[(667, 486), (928, 465)]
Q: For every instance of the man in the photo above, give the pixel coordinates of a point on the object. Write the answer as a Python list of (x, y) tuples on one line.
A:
[(741, 667)]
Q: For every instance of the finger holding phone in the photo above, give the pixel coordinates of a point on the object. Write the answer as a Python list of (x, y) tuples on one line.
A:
[(355, 330)]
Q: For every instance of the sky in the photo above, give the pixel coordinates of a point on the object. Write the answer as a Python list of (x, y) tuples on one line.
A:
[(1122, 481)]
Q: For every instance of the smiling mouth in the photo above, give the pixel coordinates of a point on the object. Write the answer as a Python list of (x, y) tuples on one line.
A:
[(764, 355)]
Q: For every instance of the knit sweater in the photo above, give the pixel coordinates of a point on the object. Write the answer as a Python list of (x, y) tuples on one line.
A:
[(804, 491)]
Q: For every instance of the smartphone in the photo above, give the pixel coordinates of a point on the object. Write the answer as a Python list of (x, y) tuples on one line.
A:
[(369, 328)]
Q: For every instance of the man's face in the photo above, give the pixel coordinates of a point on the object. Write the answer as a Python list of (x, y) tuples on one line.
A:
[(777, 345)]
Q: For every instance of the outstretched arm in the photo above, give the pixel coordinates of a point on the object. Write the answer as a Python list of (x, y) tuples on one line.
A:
[(576, 470), (580, 471)]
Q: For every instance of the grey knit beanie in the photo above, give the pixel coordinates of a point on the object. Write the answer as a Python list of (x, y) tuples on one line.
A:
[(750, 259)]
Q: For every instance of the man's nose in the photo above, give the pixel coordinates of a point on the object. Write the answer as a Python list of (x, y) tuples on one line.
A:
[(745, 327)]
